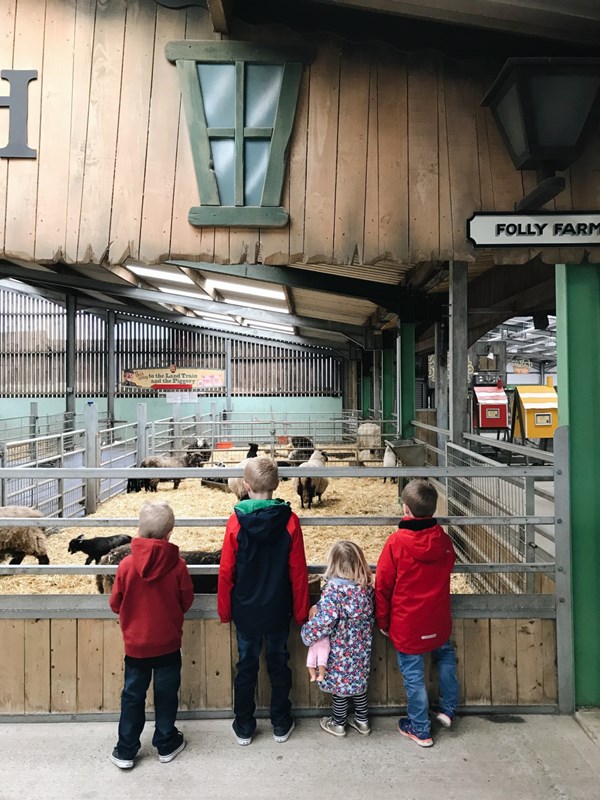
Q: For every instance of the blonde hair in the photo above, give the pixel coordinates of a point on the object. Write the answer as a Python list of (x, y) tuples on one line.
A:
[(421, 497), (347, 560), (261, 474), (156, 520)]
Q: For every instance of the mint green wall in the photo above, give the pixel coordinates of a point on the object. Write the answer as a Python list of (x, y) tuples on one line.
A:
[(158, 408)]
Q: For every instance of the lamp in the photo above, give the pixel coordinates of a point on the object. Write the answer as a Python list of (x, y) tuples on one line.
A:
[(490, 356), (544, 109)]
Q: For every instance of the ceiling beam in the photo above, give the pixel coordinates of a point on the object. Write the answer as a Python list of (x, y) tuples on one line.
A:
[(39, 277), (220, 14)]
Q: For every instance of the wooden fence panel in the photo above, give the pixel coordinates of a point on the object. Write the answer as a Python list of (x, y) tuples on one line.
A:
[(12, 685), (90, 664), (37, 665), (63, 665)]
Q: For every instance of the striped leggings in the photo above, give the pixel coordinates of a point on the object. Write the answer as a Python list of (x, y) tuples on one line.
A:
[(340, 708)]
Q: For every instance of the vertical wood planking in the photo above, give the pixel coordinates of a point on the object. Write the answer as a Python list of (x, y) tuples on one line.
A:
[(465, 186), (549, 666), (63, 665), (586, 192), (321, 163), (393, 166), (483, 151), (193, 667), (296, 176), (90, 666), (378, 677), (396, 696), (370, 245), (112, 664), (185, 238), (80, 94), (53, 155), (503, 661), (219, 692), (7, 25), (530, 662), (349, 226), (22, 175), (132, 139), (107, 65), (423, 154), (446, 250), (163, 126), (300, 695), (477, 662), (37, 665), (12, 685)]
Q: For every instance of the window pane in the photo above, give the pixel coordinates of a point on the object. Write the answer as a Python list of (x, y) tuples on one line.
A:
[(217, 82), (263, 84), (223, 153), (256, 157)]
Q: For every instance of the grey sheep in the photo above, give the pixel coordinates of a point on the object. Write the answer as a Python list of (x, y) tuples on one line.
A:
[(307, 487), (19, 542), (203, 584), (195, 456)]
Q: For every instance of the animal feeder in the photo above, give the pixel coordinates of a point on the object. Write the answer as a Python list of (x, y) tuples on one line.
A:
[(490, 404), (534, 413)]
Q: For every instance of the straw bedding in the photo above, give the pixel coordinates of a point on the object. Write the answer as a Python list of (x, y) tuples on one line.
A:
[(344, 496)]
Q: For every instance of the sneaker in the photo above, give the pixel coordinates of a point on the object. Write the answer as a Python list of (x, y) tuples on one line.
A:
[(361, 727), (121, 763), (281, 735), (331, 727), (406, 729), (445, 720), (240, 739), (164, 759)]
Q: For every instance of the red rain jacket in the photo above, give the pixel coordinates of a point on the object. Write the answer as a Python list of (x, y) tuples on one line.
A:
[(151, 593), (412, 587)]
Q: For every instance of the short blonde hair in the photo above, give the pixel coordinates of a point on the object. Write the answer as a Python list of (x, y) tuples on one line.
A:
[(261, 474), (156, 520), (347, 560), (421, 497)]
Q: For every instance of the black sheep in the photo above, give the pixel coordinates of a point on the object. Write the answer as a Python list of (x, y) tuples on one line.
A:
[(98, 546), (253, 451), (137, 484)]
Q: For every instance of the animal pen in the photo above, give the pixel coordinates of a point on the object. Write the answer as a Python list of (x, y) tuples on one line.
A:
[(513, 635)]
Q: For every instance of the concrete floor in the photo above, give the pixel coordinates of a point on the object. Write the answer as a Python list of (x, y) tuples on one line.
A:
[(483, 758)]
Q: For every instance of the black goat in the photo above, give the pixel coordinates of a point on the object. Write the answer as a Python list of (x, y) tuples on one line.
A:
[(253, 451), (98, 546), (137, 484)]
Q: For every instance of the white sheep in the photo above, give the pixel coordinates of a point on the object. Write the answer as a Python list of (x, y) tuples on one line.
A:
[(236, 485), (308, 487), (19, 542), (390, 460)]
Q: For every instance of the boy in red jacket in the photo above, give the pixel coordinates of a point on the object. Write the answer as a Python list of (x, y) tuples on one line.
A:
[(263, 582), (412, 602), (151, 593)]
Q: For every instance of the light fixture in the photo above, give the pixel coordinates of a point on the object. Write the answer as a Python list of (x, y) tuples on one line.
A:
[(491, 356), (544, 109)]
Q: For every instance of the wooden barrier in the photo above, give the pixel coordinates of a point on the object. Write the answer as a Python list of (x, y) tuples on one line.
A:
[(75, 666)]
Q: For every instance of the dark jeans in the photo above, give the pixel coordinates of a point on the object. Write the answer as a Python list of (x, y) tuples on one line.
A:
[(277, 656), (167, 677)]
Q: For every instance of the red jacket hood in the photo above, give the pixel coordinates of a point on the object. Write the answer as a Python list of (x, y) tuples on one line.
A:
[(153, 558), (426, 541)]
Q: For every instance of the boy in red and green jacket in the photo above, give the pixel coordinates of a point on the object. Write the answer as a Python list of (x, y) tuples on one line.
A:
[(412, 602), (263, 583)]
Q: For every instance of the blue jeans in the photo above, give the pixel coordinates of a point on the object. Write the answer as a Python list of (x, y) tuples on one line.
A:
[(277, 656), (412, 668), (133, 705)]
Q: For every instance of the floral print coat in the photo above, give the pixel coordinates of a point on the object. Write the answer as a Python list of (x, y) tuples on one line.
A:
[(345, 614)]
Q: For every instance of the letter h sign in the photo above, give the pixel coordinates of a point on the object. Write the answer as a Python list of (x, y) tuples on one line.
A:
[(16, 102)]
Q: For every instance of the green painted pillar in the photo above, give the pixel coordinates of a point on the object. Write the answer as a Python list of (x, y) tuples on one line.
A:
[(578, 354), (407, 381), (388, 370)]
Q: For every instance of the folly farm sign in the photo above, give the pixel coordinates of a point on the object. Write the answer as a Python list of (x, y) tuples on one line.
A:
[(538, 229)]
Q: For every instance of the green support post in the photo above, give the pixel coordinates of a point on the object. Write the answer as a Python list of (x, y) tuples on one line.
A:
[(407, 379), (387, 381), (578, 354)]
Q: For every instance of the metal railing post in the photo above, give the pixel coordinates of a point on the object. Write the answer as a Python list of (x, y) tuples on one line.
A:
[(177, 440), (562, 555), (91, 457), (142, 422), (530, 532)]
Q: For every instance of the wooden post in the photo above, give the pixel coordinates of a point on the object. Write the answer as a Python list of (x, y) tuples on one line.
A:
[(458, 351)]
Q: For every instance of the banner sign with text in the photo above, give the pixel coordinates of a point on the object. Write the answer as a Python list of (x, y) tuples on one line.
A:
[(175, 378), (538, 229)]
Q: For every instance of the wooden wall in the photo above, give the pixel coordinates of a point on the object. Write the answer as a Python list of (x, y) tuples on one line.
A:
[(76, 666), (391, 152)]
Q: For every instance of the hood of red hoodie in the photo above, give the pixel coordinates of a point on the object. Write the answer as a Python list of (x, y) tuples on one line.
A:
[(153, 558), (424, 539)]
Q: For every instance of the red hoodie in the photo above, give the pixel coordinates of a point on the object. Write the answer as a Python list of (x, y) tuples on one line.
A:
[(151, 593), (412, 587)]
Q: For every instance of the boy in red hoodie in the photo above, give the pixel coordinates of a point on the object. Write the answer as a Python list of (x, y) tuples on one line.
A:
[(151, 593), (412, 601)]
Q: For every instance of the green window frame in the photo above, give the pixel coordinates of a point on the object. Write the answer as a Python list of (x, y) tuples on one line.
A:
[(239, 167)]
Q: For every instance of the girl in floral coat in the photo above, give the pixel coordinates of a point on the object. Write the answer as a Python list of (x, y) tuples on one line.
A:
[(345, 614)]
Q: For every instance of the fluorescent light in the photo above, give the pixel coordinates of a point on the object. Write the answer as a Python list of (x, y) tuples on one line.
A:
[(246, 304), (242, 288), (160, 274)]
